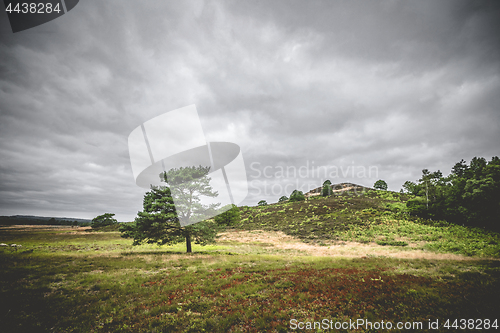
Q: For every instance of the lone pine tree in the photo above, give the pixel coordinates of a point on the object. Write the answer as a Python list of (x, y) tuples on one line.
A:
[(159, 222)]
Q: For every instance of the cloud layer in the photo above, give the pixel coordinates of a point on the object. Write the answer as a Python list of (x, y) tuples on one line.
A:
[(393, 85)]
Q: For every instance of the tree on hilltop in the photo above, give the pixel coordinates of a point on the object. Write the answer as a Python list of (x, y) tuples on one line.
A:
[(326, 190), (380, 185), (297, 196)]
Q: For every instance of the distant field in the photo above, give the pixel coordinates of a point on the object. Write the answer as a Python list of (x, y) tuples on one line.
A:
[(66, 279)]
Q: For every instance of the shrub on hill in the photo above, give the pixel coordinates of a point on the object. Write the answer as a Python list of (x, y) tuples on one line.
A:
[(297, 196), (380, 185), (283, 199), (229, 217)]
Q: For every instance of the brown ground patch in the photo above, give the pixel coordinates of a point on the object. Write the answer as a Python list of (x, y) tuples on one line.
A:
[(334, 249)]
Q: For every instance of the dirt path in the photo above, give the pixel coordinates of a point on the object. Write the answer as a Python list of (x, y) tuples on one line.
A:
[(279, 240)]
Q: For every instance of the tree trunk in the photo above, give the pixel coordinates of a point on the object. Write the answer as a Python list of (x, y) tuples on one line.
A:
[(188, 243), (427, 195)]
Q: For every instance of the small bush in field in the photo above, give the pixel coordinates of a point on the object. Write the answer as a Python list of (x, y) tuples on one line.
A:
[(392, 243), (103, 220)]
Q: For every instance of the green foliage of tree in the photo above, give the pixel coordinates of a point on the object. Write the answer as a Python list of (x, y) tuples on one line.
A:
[(470, 195), (230, 217), (416, 206), (159, 223), (188, 186), (103, 220), (326, 190), (283, 199), (262, 203), (411, 187), (297, 196), (380, 185), (327, 182)]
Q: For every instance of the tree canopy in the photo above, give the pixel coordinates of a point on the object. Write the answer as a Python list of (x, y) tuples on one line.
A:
[(159, 222), (188, 186), (297, 196), (470, 195), (380, 185), (326, 190)]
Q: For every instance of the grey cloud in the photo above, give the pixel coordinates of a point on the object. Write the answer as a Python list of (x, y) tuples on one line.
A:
[(397, 85)]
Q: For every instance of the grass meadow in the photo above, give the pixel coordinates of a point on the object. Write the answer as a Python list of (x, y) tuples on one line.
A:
[(69, 280), (333, 259)]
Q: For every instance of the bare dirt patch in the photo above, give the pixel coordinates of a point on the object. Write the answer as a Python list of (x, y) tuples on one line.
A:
[(279, 240)]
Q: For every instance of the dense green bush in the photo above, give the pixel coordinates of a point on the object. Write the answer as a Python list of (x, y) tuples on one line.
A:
[(283, 199), (103, 220), (229, 217), (297, 196), (380, 185)]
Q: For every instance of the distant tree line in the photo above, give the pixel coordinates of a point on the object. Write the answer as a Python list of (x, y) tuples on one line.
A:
[(470, 195), (35, 220)]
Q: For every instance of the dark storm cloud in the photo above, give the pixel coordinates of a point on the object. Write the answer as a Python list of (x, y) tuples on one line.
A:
[(395, 85)]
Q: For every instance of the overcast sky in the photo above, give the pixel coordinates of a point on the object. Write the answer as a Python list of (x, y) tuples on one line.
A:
[(389, 87)]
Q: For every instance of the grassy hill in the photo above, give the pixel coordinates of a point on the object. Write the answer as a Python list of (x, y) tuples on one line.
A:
[(368, 216)]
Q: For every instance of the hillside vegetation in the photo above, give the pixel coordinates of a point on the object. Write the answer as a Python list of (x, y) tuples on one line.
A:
[(70, 279), (371, 216)]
